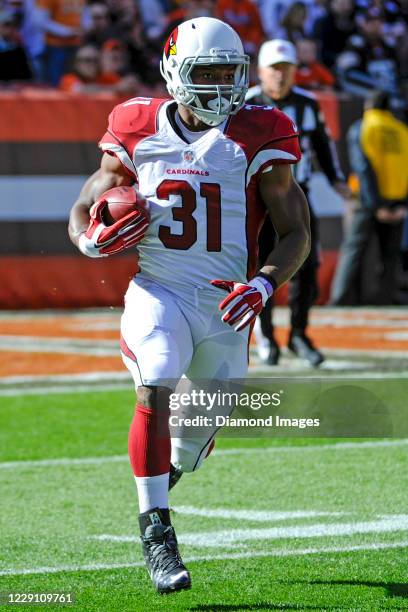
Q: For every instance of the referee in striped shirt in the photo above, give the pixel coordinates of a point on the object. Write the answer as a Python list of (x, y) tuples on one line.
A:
[(276, 69)]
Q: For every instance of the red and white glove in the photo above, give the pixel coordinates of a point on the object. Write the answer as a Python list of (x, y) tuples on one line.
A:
[(244, 302), (101, 240)]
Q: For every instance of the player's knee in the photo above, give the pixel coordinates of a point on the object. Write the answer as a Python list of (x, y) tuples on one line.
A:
[(153, 396), (188, 455), (186, 461)]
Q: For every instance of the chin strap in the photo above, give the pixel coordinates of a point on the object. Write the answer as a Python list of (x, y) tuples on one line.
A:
[(213, 122)]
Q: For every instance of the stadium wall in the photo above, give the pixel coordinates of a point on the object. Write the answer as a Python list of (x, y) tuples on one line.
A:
[(48, 145)]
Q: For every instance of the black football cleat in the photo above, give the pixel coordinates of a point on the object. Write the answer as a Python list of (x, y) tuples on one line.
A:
[(174, 476), (273, 355), (303, 347), (267, 347), (160, 550)]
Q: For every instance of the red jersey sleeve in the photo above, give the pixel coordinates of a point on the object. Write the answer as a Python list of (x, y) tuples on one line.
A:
[(268, 137), (280, 145), (129, 123)]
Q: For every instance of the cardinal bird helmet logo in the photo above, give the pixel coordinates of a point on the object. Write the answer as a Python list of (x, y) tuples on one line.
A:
[(171, 47)]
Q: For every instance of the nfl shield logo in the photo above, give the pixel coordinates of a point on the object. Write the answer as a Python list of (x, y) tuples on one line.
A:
[(188, 155)]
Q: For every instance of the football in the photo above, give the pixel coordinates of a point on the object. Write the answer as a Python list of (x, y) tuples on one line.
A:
[(120, 201)]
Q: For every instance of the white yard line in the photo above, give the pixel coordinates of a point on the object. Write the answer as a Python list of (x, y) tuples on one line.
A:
[(95, 382), (17, 340), (397, 335), (281, 373), (251, 515), (69, 346), (367, 324), (66, 389), (93, 567), (45, 463), (220, 539), (313, 447), (371, 353), (63, 349), (49, 313), (339, 352), (87, 377), (99, 381)]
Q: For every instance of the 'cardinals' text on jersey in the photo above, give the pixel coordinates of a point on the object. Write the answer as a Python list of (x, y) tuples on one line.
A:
[(205, 207)]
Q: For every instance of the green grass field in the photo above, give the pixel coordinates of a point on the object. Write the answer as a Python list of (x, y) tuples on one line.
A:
[(264, 525)]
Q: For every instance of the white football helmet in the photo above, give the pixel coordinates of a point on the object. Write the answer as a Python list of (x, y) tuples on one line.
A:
[(205, 41)]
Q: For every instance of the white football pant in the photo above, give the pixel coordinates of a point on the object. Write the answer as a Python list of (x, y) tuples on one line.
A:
[(167, 336)]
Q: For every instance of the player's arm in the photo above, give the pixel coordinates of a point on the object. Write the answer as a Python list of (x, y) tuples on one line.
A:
[(87, 226), (289, 212), (110, 174)]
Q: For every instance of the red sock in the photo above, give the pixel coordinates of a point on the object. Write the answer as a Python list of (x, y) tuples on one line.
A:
[(210, 448), (149, 442)]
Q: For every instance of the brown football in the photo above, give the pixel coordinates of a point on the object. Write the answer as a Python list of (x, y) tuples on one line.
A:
[(120, 202), (117, 210)]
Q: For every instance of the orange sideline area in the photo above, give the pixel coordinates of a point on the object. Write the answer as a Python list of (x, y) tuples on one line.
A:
[(78, 282), (78, 343)]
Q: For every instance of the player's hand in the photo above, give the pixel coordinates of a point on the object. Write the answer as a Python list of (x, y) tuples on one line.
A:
[(390, 216), (244, 302), (101, 240)]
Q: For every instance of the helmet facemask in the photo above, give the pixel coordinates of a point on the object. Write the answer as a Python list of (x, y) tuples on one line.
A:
[(227, 100)]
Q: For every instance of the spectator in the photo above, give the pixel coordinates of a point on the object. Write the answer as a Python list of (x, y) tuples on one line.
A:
[(244, 17), (101, 26), (154, 17), (114, 58), (188, 9), (333, 30), (115, 63), (316, 9), (126, 12), (31, 32), (378, 152), (310, 73), (13, 59), (273, 11), (87, 75), (394, 26), (144, 55), (61, 21), (368, 63), (292, 26)]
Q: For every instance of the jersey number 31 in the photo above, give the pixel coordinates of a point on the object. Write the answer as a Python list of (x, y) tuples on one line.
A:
[(184, 213)]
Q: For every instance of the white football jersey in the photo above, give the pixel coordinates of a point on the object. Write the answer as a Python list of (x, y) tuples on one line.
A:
[(205, 207)]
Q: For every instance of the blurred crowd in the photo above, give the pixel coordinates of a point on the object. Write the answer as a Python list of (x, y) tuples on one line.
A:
[(83, 46), (359, 47)]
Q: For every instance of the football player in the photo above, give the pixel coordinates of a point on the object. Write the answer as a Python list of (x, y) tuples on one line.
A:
[(211, 169)]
